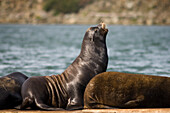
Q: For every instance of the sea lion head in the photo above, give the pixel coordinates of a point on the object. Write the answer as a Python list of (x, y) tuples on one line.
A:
[(97, 33)]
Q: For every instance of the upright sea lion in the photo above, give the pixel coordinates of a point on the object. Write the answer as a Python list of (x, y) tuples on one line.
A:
[(65, 91), (124, 90), (10, 90)]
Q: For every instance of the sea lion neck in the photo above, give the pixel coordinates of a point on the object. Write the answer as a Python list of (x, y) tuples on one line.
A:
[(92, 47)]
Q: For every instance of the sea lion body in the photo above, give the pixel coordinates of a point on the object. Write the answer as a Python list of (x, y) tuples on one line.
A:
[(66, 91), (10, 90), (124, 90)]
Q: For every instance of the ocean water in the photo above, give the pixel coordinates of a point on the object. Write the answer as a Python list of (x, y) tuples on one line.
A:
[(39, 50)]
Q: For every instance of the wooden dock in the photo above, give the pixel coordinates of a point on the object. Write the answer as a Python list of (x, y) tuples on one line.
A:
[(157, 110)]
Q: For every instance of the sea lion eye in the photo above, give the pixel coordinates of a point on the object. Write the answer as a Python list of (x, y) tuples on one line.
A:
[(95, 30)]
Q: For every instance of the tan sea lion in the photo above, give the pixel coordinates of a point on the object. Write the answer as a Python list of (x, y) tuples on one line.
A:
[(125, 90), (65, 91)]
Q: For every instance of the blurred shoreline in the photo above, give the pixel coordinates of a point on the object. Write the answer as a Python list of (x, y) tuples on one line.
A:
[(112, 12)]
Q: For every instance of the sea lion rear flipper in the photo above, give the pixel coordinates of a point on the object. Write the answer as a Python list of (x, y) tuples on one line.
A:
[(134, 103), (26, 102), (43, 106)]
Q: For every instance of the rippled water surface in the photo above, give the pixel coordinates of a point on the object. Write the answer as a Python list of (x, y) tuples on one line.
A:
[(49, 49)]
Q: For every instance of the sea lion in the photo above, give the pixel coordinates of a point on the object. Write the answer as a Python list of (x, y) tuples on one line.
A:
[(125, 90), (10, 90), (66, 91)]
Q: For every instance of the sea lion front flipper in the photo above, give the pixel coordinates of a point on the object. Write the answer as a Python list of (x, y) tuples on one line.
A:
[(134, 103)]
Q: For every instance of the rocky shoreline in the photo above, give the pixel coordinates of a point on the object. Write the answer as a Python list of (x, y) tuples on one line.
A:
[(124, 12)]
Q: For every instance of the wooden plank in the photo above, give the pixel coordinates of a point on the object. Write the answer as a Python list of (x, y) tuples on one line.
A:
[(157, 110)]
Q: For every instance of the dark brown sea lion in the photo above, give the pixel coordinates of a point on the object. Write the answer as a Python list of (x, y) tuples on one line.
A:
[(10, 90), (66, 91), (124, 90)]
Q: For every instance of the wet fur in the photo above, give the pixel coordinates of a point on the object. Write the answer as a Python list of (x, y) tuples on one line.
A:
[(65, 91)]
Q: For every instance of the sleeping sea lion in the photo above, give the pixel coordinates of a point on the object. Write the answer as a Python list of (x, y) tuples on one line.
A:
[(125, 90), (10, 90)]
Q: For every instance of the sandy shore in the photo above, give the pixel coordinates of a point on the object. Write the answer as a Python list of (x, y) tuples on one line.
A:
[(157, 110)]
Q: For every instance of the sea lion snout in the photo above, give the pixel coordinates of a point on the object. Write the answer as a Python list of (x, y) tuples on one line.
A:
[(102, 26)]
